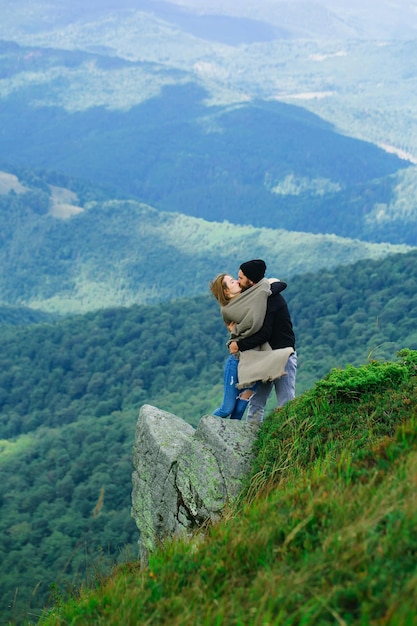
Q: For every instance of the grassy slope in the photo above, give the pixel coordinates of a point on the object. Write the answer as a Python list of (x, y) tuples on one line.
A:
[(324, 535)]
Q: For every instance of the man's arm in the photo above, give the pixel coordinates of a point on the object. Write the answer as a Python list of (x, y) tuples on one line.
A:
[(258, 338)]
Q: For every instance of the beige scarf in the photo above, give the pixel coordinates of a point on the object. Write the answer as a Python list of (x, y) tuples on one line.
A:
[(247, 310), (263, 364)]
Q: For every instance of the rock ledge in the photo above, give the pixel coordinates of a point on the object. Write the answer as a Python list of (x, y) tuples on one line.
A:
[(184, 477)]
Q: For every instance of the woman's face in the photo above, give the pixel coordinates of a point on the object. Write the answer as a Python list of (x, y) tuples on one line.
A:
[(231, 286)]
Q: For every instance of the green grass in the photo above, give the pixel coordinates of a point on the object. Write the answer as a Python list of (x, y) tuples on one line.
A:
[(323, 534)]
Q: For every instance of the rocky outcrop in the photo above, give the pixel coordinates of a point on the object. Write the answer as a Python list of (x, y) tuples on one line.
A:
[(183, 476)]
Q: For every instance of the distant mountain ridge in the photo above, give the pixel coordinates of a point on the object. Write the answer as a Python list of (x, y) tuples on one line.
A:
[(234, 22), (350, 62), (187, 126), (100, 92)]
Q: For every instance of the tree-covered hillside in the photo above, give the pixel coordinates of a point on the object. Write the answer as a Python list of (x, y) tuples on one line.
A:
[(64, 248), (70, 392), (23, 315)]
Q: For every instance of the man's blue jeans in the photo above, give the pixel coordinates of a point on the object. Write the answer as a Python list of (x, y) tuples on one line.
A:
[(232, 404), (284, 389)]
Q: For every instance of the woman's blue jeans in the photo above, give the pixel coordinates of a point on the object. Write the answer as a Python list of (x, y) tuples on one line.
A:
[(232, 404)]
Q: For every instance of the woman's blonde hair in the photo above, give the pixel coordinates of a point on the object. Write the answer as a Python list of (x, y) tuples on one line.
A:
[(217, 288)]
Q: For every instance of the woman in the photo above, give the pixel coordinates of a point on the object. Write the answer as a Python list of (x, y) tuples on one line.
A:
[(243, 314), (224, 288)]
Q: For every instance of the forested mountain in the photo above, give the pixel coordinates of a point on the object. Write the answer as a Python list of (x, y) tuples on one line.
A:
[(71, 390), (67, 249)]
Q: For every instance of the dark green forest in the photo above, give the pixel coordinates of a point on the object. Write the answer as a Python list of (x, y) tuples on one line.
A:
[(70, 392)]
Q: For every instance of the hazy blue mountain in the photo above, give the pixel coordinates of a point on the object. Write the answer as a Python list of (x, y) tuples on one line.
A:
[(205, 129), (263, 163), (353, 63), (310, 19), (200, 128), (236, 22)]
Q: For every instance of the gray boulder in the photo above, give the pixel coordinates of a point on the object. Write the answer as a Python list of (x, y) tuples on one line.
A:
[(184, 477)]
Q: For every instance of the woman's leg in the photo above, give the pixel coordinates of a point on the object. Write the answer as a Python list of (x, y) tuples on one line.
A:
[(241, 404), (230, 395)]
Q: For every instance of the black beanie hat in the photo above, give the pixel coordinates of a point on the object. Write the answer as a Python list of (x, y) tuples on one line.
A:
[(254, 270)]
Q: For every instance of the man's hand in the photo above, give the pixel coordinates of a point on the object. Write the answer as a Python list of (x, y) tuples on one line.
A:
[(233, 347)]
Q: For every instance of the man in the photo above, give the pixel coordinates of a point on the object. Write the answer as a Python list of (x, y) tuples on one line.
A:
[(277, 329)]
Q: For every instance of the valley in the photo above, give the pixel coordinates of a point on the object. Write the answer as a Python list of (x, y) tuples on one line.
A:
[(146, 146)]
